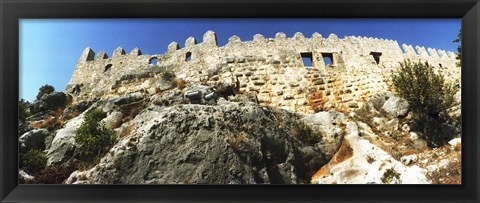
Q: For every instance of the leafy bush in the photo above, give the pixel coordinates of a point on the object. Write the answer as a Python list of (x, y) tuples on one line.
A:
[(306, 134), (428, 95), (32, 161), (426, 91), (389, 174), (45, 89), (93, 136), (23, 112)]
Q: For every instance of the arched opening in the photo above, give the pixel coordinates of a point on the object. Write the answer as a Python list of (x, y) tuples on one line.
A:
[(188, 56), (328, 59), (153, 61), (307, 59), (107, 67)]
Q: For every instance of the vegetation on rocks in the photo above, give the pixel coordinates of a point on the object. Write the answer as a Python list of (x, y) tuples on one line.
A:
[(426, 91), (32, 161), (45, 89), (389, 174), (23, 112), (93, 136), (428, 95)]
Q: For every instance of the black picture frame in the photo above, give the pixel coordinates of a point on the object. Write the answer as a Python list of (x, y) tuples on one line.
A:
[(13, 10)]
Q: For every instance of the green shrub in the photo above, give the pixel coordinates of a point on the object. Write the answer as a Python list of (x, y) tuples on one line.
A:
[(428, 95), (23, 112), (168, 75), (389, 174), (32, 161), (306, 134), (45, 89), (426, 91), (93, 137)]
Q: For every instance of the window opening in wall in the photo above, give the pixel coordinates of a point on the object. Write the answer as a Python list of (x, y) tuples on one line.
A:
[(328, 59), (188, 57), (376, 56), (440, 65), (307, 59), (107, 67), (153, 61)]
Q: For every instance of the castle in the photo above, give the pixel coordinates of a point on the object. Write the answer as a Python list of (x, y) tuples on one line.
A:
[(298, 73)]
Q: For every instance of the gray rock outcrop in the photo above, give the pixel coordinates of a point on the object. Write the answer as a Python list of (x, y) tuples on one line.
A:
[(234, 143), (396, 106), (34, 139), (63, 144), (50, 102)]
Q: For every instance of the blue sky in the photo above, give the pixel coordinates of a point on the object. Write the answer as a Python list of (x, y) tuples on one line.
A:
[(50, 48)]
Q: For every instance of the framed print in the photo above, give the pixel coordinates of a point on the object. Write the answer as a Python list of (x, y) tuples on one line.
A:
[(239, 101)]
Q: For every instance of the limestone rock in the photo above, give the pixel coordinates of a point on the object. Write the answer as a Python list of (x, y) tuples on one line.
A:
[(50, 101), (63, 144), (227, 144), (360, 162), (418, 142), (76, 109), (396, 106), (113, 120), (329, 124), (34, 139), (23, 176)]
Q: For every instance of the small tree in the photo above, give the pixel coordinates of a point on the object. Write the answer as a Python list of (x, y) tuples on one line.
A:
[(45, 89), (426, 91), (93, 136), (428, 95)]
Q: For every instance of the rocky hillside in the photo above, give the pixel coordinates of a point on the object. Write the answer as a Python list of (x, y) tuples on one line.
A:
[(199, 133)]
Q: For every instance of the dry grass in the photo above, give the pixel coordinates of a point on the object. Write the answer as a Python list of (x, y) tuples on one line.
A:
[(179, 83), (51, 123), (235, 141)]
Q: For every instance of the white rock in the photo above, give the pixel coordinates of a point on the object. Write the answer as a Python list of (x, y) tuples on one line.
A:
[(368, 164), (396, 106), (113, 119), (64, 140), (407, 160), (454, 142), (22, 175), (418, 142)]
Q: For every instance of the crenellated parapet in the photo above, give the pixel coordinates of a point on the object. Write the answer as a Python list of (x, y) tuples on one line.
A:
[(340, 72)]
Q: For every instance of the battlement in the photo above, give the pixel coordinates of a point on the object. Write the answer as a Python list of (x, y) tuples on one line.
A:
[(357, 43), (295, 58)]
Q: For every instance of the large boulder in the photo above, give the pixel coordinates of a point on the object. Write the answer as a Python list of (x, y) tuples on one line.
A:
[(50, 101), (396, 106), (76, 109), (233, 143), (34, 139), (328, 123), (63, 144)]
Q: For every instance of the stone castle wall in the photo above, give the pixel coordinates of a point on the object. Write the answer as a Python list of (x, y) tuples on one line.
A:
[(271, 67)]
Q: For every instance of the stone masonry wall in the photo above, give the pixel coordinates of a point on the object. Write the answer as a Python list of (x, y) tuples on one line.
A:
[(271, 67)]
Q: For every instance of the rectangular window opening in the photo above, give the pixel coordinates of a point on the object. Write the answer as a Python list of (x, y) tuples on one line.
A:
[(307, 59), (328, 59), (188, 57)]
